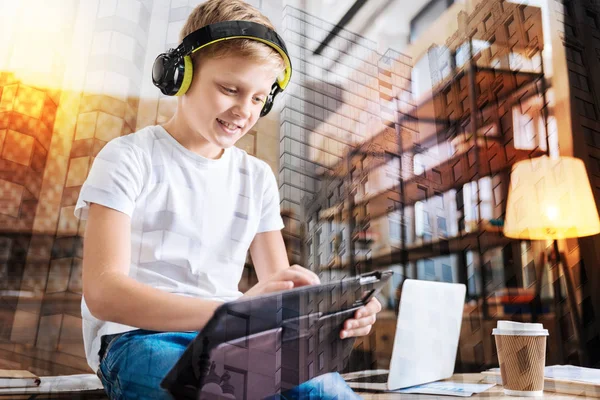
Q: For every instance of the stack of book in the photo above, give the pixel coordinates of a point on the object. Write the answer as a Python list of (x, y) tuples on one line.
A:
[(17, 382), (566, 379), (17, 379)]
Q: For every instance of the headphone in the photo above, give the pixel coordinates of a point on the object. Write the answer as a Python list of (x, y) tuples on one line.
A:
[(172, 71)]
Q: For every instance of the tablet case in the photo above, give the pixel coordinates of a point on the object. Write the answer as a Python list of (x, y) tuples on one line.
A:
[(259, 346)]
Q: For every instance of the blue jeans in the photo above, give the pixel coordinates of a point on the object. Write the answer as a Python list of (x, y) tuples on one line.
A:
[(133, 364)]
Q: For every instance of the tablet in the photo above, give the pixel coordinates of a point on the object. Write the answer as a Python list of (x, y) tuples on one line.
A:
[(273, 342)]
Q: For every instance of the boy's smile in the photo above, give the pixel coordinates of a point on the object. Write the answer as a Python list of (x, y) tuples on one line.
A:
[(224, 101), (231, 129)]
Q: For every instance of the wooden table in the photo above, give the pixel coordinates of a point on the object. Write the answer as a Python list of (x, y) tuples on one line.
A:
[(492, 393)]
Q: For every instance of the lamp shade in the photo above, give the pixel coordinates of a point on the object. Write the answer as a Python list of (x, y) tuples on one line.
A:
[(550, 198)]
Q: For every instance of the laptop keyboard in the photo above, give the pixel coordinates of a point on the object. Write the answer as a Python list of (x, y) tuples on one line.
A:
[(381, 378)]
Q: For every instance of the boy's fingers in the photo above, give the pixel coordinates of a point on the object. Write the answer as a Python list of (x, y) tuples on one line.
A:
[(370, 320), (301, 276), (371, 308), (276, 286), (307, 271), (314, 278), (374, 305), (358, 323), (296, 276), (363, 331)]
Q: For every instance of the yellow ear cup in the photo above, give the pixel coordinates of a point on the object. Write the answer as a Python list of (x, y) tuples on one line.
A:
[(188, 72)]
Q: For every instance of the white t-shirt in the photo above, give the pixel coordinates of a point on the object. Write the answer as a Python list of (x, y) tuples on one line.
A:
[(192, 218)]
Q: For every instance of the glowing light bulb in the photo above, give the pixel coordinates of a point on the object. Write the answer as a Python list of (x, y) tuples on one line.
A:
[(552, 212)]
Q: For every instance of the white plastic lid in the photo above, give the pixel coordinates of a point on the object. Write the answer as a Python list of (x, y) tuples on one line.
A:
[(519, 328)]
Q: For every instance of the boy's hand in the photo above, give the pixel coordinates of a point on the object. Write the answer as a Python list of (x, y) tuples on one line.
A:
[(287, 278), (363, 320)]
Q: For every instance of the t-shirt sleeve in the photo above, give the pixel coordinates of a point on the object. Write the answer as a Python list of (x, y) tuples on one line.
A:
[(270, 219), (115, 179)]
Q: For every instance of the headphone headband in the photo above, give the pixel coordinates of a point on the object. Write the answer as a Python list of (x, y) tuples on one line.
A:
[(227, 30)]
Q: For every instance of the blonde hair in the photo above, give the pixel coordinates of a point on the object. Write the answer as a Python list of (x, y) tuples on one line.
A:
[(213, 11)]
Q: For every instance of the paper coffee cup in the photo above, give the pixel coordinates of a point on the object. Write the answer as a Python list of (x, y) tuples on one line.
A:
[(522, 357)]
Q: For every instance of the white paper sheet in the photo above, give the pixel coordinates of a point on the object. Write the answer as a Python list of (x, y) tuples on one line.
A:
[(572, 373), (446, 388)]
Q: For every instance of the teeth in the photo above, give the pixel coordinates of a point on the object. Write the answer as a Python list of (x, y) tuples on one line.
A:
[(227, 124)]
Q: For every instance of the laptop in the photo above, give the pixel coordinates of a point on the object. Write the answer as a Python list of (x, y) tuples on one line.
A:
[(426, 339)]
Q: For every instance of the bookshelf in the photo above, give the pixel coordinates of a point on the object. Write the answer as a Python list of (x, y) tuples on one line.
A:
[(477, 148)]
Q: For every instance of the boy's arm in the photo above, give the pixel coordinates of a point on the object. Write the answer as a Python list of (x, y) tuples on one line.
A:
[(268, 254), (111, 295), (273, 267)]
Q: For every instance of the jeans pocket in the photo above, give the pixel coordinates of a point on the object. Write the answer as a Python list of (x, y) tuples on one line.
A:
[(119, 344), (114, 350), (106, 342), (105, 382)]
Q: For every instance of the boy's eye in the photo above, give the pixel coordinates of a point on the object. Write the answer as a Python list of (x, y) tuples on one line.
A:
[(259, 100), (229, 90)]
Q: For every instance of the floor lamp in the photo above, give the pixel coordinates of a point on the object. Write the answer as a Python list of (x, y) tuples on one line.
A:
[(551, 198)]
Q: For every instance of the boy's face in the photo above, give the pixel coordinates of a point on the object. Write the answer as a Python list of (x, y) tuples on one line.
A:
[(225, 100)]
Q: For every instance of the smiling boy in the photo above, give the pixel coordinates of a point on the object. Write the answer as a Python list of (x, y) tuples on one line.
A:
[(172, 211)]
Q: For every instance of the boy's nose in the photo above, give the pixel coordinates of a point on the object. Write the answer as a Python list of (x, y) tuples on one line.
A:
[(243, 108)]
